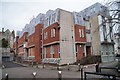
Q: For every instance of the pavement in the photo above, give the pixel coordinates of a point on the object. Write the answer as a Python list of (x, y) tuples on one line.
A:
[(71, 67), (25, 71)]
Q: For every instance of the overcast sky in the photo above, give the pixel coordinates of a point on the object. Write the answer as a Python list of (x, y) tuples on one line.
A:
[(16, 13)]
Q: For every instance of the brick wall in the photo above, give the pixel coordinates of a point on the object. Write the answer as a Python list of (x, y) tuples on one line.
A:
[(31, 39), (48, 30), (77, 34), (37, 40)]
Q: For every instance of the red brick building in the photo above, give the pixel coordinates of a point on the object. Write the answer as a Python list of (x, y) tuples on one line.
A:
[(57, 37), (27, 47)]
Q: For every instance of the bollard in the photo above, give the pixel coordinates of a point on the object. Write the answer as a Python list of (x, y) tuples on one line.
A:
[(68, 65), (34, 74), (58, 66), (3, 66), (37, 65), (78, 66), (85, 77), (81, 72), (59, 75), (97, 67), (43, 66), (32, 63), (6, 76)]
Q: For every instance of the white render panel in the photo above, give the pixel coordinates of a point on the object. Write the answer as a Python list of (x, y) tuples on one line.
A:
[(67, 46), (95, 35)]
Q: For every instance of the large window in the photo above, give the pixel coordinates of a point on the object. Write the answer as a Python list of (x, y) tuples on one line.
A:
[(81, 32), (52, 51), (52, 32)]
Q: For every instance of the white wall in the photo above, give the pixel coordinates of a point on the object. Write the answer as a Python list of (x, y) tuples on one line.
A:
[(67, 46)]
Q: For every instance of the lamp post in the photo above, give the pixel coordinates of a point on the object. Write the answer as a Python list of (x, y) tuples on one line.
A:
[(81, 72)]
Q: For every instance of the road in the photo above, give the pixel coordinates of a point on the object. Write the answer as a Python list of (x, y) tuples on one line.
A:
[(18, 71)]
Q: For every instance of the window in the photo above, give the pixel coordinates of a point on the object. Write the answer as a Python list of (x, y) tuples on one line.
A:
[(80, 33), (94, 9), (49, 19), (45, 35), (54, 17), (107, 53), (91, 10), (52, 32), (45, 52), (51, 50)]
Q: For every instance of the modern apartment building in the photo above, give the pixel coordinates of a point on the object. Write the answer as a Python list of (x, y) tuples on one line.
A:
[(68, 36), (63, 38)]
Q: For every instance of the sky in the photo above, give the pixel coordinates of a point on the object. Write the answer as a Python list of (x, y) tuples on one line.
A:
[(15, 14)]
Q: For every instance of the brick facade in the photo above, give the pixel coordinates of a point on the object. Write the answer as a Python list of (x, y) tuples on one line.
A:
[(38, 43), (49, 37), (80, 36)]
